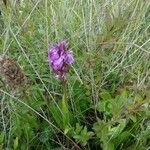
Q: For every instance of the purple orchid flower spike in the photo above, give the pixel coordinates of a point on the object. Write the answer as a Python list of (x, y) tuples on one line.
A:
[(60, 57)]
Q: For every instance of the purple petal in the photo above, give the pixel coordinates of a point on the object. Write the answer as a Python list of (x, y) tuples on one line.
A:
[(63, 45), (57, 64), (69, 57), (53, 53), (59, 58), (54, 56)]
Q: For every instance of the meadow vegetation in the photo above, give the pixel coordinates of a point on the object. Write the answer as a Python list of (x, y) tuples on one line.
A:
[(107, 93)]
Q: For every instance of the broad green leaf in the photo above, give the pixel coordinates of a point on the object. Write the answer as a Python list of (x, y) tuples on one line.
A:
[(105, 96), (2, 135), (16, 143), (108, 146), (84, 131), (67, 129), (116, 131), (78, 128), (65, 113), (101, 130), (101, 107), (121, 138), (82, 135), (121, 99), (57, 115)]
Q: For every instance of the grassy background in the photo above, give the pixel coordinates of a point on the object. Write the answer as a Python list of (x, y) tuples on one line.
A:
[(110, 41)]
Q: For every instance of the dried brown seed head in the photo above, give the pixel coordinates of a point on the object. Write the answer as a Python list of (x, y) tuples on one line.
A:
[(12, 74)]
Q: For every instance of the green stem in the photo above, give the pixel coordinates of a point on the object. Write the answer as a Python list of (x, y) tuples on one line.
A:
[(65, 110)]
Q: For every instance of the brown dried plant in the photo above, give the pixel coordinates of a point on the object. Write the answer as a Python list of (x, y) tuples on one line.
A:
[(12, 75)]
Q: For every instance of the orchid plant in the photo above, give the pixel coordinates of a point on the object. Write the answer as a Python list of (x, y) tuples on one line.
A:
[(60, 57)]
